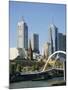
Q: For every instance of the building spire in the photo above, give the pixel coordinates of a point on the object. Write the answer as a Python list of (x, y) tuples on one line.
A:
[(22, 18), (52, 19)]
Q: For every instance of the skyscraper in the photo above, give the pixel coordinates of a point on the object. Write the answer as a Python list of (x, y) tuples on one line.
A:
[(35, 43), (53, 38), (61, 42), (22, 35)]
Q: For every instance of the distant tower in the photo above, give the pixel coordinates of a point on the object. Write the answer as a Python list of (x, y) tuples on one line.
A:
[(46, 50), (53, 38), (30, 53), (35, 43), (51, 42), (22, 36)]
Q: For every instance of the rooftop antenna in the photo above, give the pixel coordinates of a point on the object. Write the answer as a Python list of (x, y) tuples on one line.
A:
[(52, 19), (21, 18)]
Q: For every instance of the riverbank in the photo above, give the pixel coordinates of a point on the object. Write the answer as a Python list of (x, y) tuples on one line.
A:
[(33, 84), (53, 73)]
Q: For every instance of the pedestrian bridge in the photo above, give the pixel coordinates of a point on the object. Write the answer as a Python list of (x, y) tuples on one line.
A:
[(44, 68), (43, 74), (57, 69), (48, 74), (49, 70)]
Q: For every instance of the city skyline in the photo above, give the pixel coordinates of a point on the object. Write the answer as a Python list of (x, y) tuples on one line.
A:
[(35, 23)]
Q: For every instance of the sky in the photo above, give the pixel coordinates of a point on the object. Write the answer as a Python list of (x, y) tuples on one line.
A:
[(38, 17)]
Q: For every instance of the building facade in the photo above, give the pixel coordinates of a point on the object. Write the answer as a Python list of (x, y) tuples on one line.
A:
[(22, 36), (46, 50), (61, 42), (35, 43), (53, 38)]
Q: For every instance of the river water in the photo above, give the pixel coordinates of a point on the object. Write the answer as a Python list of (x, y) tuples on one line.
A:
[(31, 84)]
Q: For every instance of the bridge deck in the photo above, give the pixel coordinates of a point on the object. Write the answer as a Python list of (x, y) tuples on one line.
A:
[(41, 71), (38, 75)]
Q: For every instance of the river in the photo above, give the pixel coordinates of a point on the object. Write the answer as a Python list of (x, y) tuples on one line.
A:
[(31, 84)]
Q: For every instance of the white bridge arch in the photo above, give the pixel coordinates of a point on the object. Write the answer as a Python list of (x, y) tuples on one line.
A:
[(63, 52)]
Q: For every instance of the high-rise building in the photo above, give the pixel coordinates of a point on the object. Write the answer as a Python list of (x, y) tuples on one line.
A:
[(61, 42), (64, 40), (35, 43), (46, 50), (53, 38), (22, 36)]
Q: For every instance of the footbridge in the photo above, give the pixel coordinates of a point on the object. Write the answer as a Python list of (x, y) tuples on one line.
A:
[(44, 73)]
